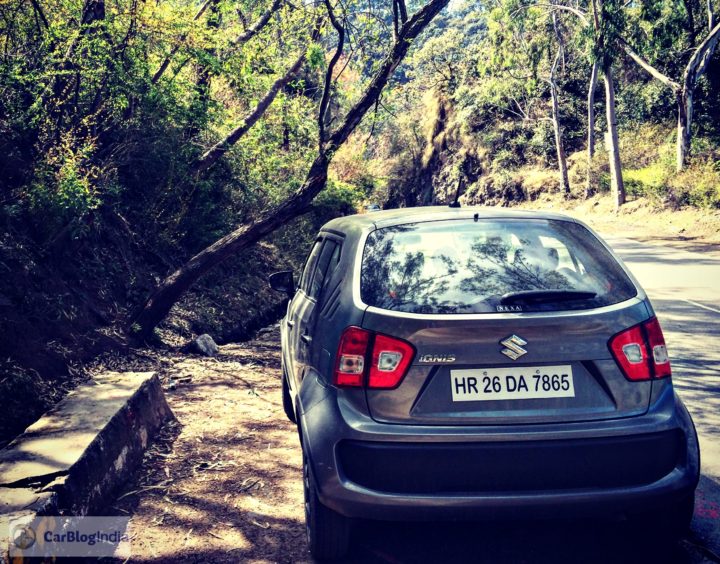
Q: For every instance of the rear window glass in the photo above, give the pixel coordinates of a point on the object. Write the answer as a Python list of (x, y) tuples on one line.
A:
[(486, 266)]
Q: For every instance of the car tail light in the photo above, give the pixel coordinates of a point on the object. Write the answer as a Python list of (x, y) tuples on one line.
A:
[(390, 360), (384, 359), (657, 350), (640, 351), (350, 364)]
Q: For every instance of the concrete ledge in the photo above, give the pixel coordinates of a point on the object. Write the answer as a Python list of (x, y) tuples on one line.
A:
[(72, 460)]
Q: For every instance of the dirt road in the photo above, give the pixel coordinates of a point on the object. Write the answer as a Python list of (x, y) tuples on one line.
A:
[(224, 483)]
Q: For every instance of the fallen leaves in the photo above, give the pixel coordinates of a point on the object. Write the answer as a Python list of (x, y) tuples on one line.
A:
[(227, 480)]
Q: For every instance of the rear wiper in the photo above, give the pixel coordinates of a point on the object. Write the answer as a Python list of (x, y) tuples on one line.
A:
[(546, 296)]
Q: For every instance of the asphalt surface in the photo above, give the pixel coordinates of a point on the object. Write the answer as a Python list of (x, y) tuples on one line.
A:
[(685, 291), (684, 288)]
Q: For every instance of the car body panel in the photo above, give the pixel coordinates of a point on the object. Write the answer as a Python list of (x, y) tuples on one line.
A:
[(424, 395), (418, 412)]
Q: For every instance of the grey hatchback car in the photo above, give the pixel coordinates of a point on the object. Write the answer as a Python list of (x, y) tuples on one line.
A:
[(476, 363)]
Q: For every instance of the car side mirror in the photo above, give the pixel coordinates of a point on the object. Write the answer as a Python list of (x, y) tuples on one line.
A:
[(283, 282)]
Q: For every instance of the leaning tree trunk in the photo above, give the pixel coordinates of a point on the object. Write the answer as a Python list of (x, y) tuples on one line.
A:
[(616, 179), (693, 71), (175, 285), (591, 130), (169, 291)]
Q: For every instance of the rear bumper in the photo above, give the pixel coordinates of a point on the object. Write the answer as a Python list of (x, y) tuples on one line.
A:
[(605, 469)]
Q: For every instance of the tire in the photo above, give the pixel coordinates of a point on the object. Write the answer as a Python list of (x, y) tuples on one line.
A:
[(287, 399), (328, 532)]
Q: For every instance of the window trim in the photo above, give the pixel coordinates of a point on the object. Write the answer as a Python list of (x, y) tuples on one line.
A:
[(308, 267)]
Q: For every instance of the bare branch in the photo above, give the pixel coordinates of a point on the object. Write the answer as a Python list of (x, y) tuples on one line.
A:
[(655, 73), (168, 59), (253, 30), (221, 147), (39, 11), (325, 100), (699, 61), (408, 32), (403, 11), (711, 16), (582, 16)]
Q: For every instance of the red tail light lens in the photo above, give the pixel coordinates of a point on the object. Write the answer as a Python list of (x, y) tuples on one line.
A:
[(350, 363), (657, 351), (388, 359), (640, 351)]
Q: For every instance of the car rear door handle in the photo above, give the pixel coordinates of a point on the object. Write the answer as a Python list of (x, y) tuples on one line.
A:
[(307, 339), (290, 324)]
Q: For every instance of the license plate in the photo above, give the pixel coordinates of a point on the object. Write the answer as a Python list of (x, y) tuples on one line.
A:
[(522, 382)]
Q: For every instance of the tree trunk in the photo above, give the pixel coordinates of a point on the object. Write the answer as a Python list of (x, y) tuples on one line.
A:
[(591, 129), (693, 71), (212, 155), (685, 110), (175, 285), (169, 291), (559, 147), (616, 179)]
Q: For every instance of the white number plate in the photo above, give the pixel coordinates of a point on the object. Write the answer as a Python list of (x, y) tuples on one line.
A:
[(522, 382)]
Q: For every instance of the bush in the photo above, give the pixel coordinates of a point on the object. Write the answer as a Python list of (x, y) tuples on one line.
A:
[(649, 181), (698, 185)]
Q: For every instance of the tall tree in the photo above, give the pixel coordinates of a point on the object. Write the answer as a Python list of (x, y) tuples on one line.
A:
[(592, 88), (684, 90), (167, 293), (605, 26), (605, 29), (559, 144)]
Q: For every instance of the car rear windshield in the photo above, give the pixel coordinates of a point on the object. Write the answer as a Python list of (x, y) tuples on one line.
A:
[(490, 265)]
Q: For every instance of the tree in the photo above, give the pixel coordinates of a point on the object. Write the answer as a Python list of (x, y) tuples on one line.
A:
[(167, 293), (592, 88), (605, 27), (559, 145), (685, 89)]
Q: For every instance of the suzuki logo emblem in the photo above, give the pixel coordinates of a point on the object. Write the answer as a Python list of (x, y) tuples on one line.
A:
[(514, 346)]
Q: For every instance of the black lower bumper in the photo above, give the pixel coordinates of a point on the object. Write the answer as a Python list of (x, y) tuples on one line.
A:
[(517, 466)]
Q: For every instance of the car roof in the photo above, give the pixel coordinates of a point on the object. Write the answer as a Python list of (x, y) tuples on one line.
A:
[(385, 218)]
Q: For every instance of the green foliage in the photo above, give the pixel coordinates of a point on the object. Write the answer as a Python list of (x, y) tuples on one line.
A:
[(316, 56), (338, 198)]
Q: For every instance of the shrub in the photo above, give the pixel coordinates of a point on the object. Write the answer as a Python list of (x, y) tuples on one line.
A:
[(649, 181), (698, 184)]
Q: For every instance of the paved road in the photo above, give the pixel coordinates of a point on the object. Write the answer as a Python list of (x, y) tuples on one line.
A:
[(685, 291)]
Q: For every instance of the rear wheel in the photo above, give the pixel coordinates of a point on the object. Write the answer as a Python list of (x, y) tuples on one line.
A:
[(287, 399), (328, 532)]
